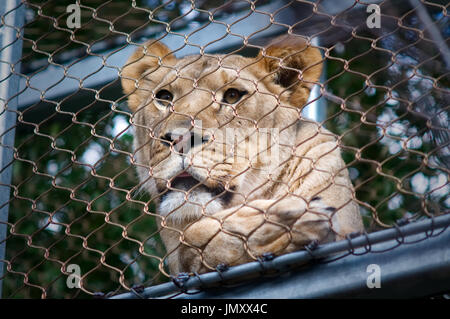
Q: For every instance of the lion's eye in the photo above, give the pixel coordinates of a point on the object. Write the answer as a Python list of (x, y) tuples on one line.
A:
[(164, 97), (232, 96)]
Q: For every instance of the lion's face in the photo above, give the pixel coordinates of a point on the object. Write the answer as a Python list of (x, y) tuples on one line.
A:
[(206, 126)]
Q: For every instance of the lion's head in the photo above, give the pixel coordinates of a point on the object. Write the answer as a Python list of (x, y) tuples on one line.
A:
[(182, 109)]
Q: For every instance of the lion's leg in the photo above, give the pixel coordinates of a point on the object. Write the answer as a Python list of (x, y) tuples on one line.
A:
[(241, 234)]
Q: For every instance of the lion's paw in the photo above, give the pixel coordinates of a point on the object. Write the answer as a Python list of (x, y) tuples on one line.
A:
[(291, 225)]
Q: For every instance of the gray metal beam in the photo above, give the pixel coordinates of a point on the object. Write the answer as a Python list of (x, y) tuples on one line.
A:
[(436, 254), (12, 18), (97, 70), (408, 271)]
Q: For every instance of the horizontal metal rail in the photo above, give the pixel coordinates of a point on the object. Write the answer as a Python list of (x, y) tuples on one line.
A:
[(371, 247), (408, 271)]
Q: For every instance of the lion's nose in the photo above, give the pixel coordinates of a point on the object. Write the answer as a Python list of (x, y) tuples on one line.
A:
[(182, 142)]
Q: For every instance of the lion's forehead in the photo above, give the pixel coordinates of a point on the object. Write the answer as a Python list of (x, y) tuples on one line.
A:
[(210, 72)]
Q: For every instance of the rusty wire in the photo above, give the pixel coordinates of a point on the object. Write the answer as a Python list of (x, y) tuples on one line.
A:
[(391, 124)]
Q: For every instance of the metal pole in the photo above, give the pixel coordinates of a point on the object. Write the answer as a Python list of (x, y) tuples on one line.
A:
[(433, 30), (12, 18), (316, 110)]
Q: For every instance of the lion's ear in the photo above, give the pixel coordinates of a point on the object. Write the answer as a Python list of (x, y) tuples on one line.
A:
[(146, 58), (295, 65)]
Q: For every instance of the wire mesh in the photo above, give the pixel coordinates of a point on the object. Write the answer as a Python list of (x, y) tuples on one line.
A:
[(95, 172)]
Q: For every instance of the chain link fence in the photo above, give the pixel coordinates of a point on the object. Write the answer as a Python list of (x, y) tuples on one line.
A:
[(85, 213)]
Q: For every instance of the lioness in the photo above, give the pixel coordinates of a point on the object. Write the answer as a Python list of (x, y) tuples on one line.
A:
[(214, 208)]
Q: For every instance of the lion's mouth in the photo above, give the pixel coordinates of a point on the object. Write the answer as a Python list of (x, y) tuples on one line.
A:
[(186, 182), (184, 175)]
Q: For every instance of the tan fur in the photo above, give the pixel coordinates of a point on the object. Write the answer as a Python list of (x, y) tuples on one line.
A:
[(274, 207)]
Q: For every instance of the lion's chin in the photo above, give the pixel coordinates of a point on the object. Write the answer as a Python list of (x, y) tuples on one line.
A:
[(181, 207), (187, 199)]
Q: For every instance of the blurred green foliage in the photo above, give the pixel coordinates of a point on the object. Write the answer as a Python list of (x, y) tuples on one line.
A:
[(63, 202), (390, 116)]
